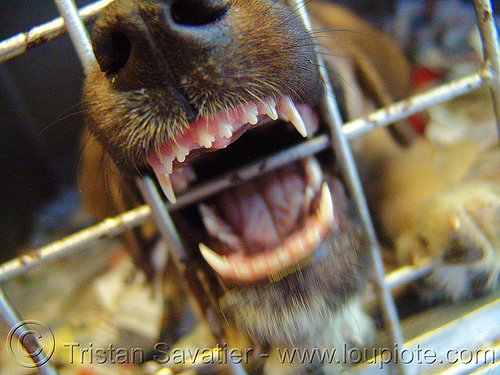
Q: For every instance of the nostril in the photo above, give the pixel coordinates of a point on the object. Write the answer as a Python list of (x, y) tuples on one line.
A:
[(112, 51), (198, 12)]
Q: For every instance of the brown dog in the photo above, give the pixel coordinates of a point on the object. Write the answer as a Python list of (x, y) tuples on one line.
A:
[(188, 89)]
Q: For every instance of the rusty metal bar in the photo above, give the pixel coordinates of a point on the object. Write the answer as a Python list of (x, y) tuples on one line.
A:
[(66, 246), (38, 35), (491, 51), (345, 158), (416, 103), (19, 330)]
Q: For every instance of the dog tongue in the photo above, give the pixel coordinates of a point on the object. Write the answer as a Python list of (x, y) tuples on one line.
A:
[(264, 211)]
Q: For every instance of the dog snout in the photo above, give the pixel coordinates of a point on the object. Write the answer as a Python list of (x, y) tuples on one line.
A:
[(139, 43), (164, 64)]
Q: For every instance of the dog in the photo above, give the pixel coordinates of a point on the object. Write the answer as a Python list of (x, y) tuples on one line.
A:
[(185, 90)]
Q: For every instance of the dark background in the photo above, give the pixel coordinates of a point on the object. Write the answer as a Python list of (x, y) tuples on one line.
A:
[(40, 122)]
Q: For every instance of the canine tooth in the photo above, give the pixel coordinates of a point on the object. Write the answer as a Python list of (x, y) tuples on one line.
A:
[(166, 185), (225, 130), (283, 117), (219, 263), (288, 108), (205, 139), (250, 113), (326, 210), (313, 171)]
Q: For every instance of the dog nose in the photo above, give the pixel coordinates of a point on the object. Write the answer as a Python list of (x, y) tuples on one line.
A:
[(133, 35), (196, 12)]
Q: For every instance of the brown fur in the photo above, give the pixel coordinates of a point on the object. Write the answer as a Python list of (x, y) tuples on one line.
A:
[(206, 76)]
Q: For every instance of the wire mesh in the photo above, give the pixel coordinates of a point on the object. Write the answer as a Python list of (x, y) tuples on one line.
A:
[(72, 21)]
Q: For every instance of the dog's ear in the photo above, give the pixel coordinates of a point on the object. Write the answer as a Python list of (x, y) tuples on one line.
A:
[(377, 64), (107, 192)]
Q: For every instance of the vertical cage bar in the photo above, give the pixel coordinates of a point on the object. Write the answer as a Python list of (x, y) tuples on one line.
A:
[(26, 338), (162, 217), (77, 32), (81, 42), (489, 39), (344, 154)]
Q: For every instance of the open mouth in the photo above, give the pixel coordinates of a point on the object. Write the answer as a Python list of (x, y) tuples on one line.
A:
[(265, 228)]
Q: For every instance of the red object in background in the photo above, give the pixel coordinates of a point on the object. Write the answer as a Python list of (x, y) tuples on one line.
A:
[(423, 78), (419, 121)]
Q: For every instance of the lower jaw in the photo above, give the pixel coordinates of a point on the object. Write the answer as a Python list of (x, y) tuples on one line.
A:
[(294, 252), (291, 309)]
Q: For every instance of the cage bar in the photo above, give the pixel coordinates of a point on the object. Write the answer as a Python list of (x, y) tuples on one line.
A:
[(489, 37), (107, 228), (416, 103), (26, 337), (345, 158), (22, 42), (77, 32)]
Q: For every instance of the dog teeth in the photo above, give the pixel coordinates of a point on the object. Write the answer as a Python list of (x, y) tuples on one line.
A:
[(180, 153), (326, 211), (242, 271), (259, 265), (167, 163), (166, 185), (283, 256), (209, 219), (270, 109), (314, 175), (219, 263), (225, 130), (250, 114), (288, 109), (313, 235), (217, 228), (205, 139)]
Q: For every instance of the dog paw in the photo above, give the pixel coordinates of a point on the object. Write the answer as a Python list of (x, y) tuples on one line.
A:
[(459, 233)]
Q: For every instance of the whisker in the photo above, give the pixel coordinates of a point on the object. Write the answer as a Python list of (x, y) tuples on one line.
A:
[(63, 118)]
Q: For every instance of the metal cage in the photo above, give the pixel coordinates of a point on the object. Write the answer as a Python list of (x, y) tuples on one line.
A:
[(481, 321)]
